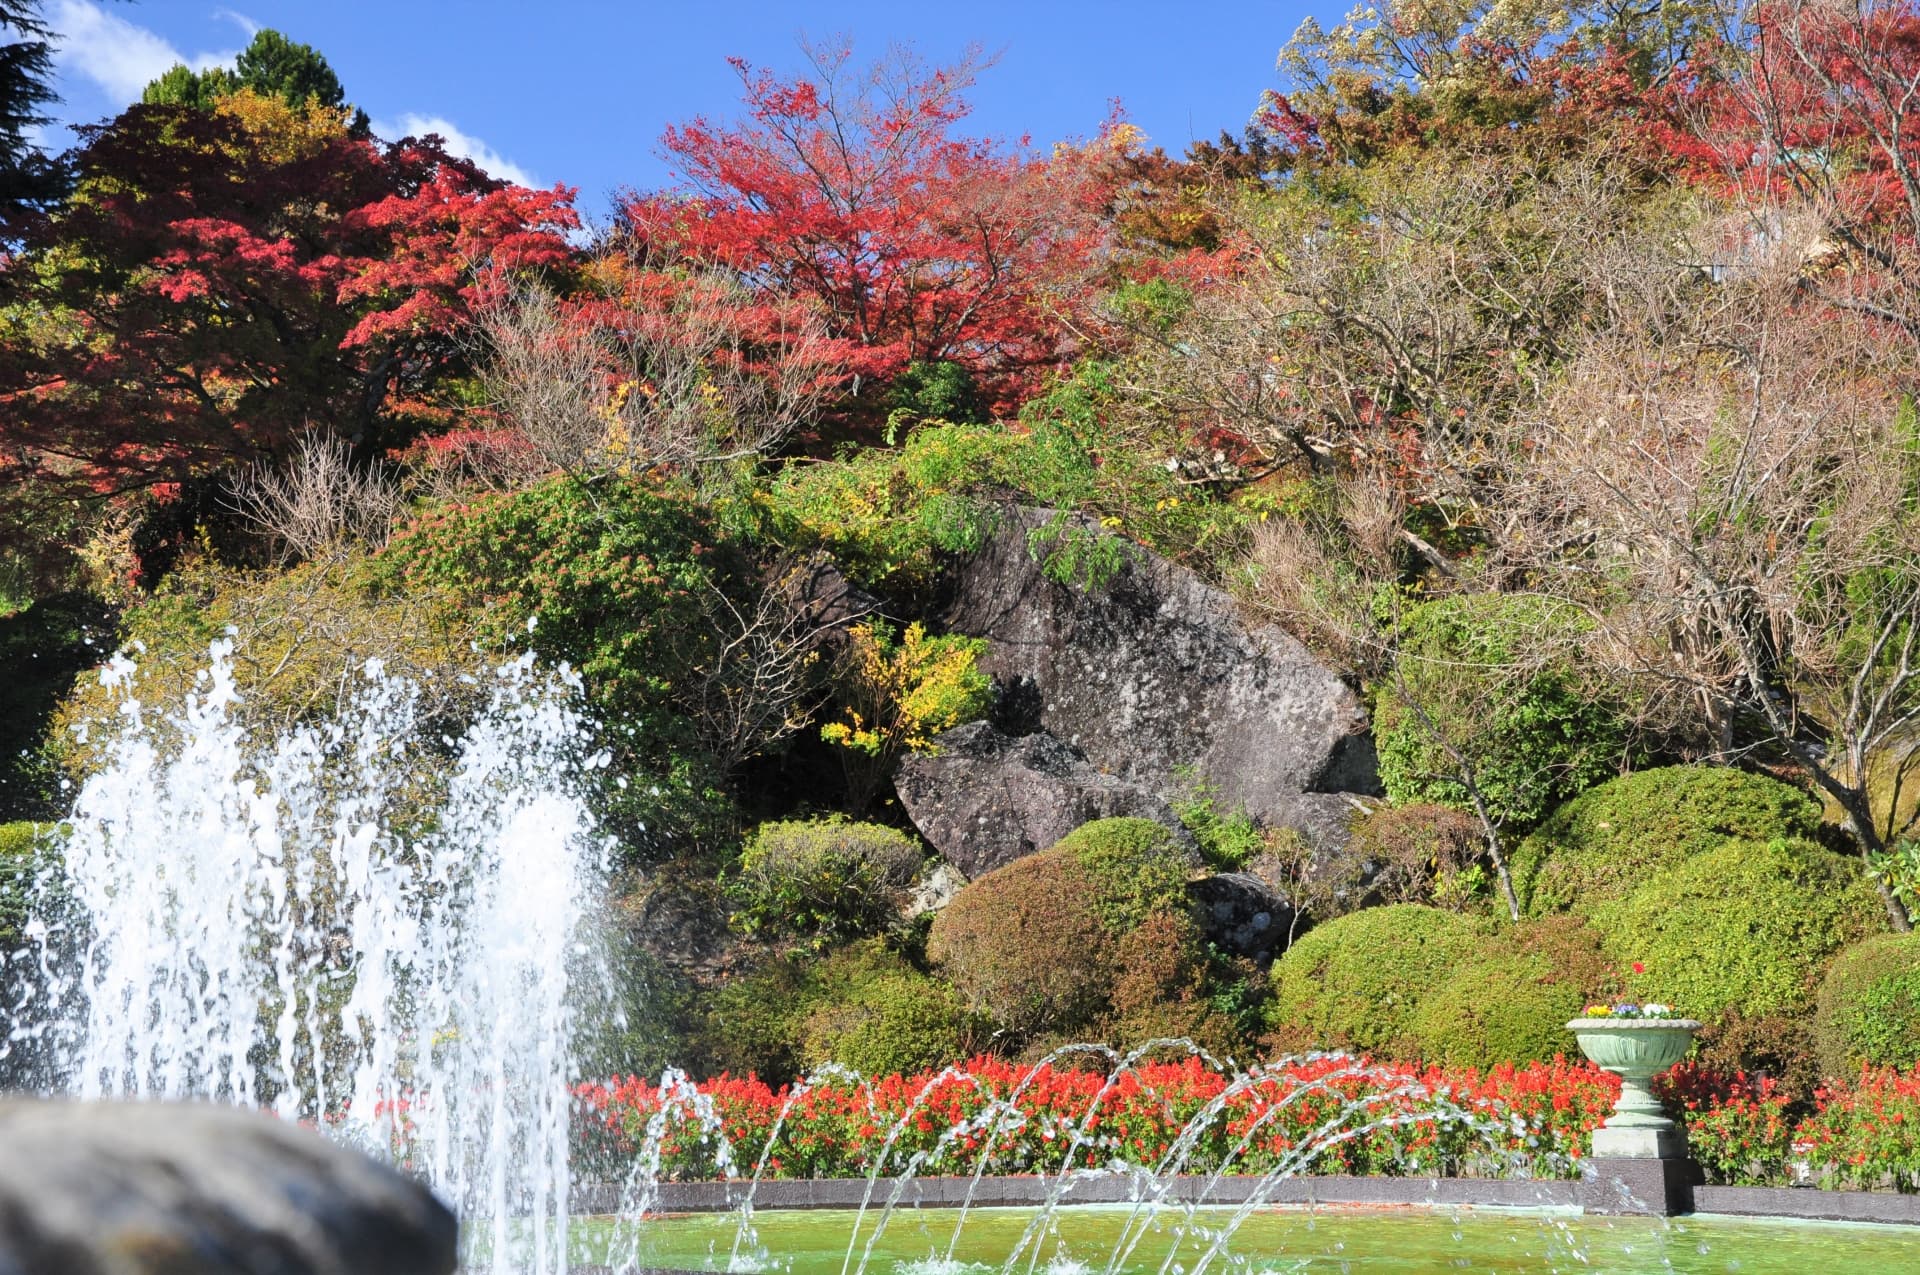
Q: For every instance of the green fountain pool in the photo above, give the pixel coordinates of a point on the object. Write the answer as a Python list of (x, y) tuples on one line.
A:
[(1081, 1240)]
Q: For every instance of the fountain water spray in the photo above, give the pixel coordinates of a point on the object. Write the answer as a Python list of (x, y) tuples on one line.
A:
[(359, 922)]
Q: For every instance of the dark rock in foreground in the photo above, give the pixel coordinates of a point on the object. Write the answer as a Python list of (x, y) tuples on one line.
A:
[(1155, 672), (986, 798), (170, 1188)]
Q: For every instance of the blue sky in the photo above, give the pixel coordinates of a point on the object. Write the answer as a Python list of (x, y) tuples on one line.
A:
[(577, 91)]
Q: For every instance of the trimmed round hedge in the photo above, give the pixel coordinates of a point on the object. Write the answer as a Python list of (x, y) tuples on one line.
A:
[(1747, 926), (825, 880), (863, 1007), (1358, 981), (1034, 944), (1867, 1013), (1497, 1006), (1606, 843), (890, 1020), (1417, 982)]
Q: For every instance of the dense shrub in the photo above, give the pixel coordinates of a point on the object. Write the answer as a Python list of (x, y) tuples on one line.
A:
[(1868, 1009), (863, 1007), (895, 693), (1037, 944), (887, 515), (1025, 948), (24, 849), (1510, 1000), (298, 638), (1229, 839), (626, 580), (1776, 1047), (1750, 925), (1419, 982), (1137, 869), (936, 391), (822, 880), (43, 648), (751, 1026), (879, 1015), (1358, 981), (1161, 990), (1496, 1006), (1422, 854), (1606, 843), (1468, 674)]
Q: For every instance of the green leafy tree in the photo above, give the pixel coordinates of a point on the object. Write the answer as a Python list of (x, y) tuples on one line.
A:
[(1482, 710), (629, 582), (272, 66), (27, 178)]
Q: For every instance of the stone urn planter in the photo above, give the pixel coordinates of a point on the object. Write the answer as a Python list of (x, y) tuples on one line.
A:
[(1636, 1050)]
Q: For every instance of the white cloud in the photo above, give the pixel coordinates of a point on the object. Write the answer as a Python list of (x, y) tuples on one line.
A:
[(240, 20), (114, 53), (457, 142)]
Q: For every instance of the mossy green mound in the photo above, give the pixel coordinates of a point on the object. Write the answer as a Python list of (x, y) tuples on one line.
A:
[(1417, 982), (1358, 981), (1867, 1013), (1036, 944), (1748, 926), (1606, 843)]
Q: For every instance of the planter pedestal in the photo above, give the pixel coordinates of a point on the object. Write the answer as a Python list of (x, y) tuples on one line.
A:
[(1636, 1050), (1639, 1144), (1639, 1162)]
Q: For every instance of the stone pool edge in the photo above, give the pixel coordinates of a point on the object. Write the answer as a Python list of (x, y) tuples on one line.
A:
[(1659, 1188)]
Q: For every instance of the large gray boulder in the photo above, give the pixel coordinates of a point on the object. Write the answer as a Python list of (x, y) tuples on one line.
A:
[(1157, 671), (121, 1188), (987, 798)]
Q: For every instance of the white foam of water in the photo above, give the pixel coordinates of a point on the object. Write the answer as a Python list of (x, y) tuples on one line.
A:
[(315, 923)]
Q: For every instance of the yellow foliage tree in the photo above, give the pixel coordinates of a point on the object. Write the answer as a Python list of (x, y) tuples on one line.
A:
[(897, 694)]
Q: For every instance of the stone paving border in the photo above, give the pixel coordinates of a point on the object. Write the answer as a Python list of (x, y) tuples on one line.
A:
[(1658, 1188), (1804, 1202)]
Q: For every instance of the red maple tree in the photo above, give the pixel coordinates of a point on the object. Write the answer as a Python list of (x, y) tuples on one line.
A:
[(851, 190), (224, 280)]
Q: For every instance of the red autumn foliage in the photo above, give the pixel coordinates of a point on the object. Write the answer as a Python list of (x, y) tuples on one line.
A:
[(853, 192), (224, 280)]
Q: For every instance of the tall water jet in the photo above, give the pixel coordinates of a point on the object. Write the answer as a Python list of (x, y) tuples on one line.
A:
[(366, 921)]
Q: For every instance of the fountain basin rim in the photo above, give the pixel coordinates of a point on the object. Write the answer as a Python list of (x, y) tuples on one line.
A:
[(1634, 1024)]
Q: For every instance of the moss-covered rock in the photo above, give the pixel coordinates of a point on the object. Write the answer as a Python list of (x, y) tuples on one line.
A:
[(1868, 1009), (1358, 982), (1608, 842), (1750, 925)]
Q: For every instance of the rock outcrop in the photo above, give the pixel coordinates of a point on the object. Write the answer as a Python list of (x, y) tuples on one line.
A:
[(1243, 914), (1157, 672), (119, 1188), (987, 798)]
